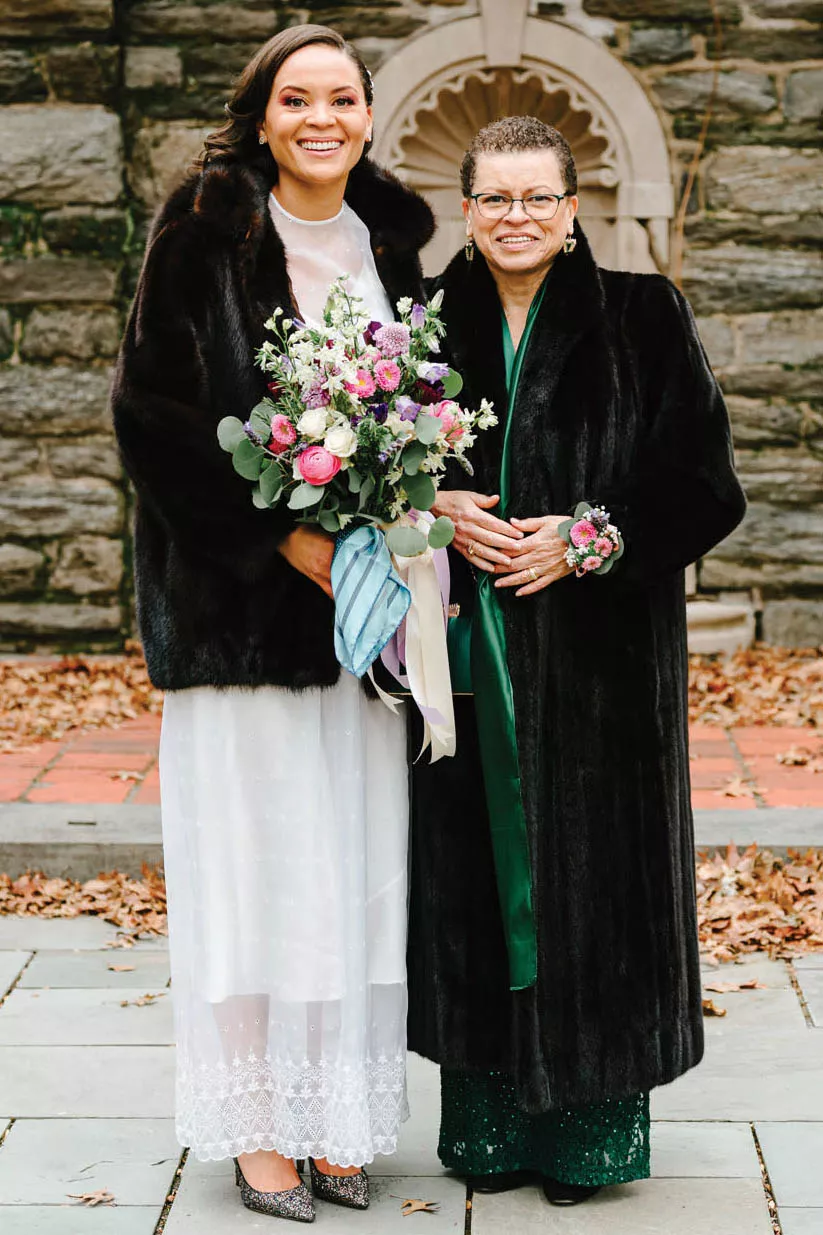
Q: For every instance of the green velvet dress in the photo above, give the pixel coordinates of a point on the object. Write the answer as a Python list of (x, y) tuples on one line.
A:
[(483, 1130)]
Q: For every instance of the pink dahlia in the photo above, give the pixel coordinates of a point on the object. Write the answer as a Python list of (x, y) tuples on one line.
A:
[(387, 374), (283, 434), (582, 532), (591, 563), (393, 339), (363, 385), (603, 546), (317, 465)]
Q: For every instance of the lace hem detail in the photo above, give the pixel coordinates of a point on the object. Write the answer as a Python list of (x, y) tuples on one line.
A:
[(341, 1112)]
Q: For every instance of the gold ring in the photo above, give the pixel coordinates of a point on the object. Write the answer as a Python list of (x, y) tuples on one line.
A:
[(471, 548), (532, 574)]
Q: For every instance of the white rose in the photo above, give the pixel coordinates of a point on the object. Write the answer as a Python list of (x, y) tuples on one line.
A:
[(312, 423), (341, 441)]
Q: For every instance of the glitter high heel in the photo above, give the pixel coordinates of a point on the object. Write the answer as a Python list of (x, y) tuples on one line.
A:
[(351, 1191), (294, 1203)]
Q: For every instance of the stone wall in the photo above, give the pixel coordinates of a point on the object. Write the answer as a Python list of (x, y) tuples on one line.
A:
[(102, 104)]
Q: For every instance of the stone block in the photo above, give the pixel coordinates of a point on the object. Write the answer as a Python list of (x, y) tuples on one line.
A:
[(18, 457), (6, 334), (11, 963), (84, 72), (31, 934), (800, 43), (737, 278), (150, 68), (765, 180), (51, 155), (24, 280), (775, 579), (794, 338), (87, 456), (134, 1159), (811, 983), (58, 400), (718, 339), (803, 99), (88, 566), (71, 334), (364, 21), (75, 970), (702, 1150), (758, 422), (764, 229), (778, 534), (793, 1153), (163, 155), (94, 1082), (38, 620), (83, 228), (659, 44), (738, 90), (56, 1220), (800, 1221), (46, 507), (19, 568), (159, 19), (793, 623), (807, 10), (800, 382), (46, 19), (20, 79), (662, 10)]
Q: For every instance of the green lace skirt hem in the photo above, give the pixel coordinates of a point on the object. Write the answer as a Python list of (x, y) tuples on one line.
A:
[(483, 1131)]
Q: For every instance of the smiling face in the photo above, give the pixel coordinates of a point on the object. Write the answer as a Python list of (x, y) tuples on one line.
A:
[(317, 121), (518, 244)]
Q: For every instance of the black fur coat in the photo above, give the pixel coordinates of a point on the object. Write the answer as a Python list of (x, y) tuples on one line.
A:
[(617, 404), (217, 604)]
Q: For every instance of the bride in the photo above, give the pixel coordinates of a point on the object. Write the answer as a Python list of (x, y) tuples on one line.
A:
[(284, 788)]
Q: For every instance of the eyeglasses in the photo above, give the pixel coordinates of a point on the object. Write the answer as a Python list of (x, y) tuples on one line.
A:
[(542, 206)]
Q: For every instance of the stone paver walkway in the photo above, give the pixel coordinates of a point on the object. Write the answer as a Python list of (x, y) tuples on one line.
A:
[(120, 766), (86, 1103)]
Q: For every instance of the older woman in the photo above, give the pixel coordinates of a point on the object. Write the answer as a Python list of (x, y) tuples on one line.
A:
[(553, 961)]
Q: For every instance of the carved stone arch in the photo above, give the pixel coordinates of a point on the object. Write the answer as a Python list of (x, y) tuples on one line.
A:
[(440, 87)]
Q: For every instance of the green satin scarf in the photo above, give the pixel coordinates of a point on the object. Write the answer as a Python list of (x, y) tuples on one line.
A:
[(494, 708)]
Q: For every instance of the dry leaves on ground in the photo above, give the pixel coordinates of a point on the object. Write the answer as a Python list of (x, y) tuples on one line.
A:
[(101, 1197), (807, 757), (142, 1001), (42, 700), (759, 686), (414, 1206), (710, 1008), (757, 902), (137, 906)]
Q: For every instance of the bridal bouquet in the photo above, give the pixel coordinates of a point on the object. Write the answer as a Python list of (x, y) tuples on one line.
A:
[(354, 436), (359, 424)]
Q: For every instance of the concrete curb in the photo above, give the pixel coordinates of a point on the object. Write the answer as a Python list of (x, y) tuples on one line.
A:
[(77, 842)]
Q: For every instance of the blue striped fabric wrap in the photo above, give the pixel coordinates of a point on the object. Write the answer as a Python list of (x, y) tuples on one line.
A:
[(370, 598)]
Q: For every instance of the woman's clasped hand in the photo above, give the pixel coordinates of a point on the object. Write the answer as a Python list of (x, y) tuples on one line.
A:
[(528, 554)]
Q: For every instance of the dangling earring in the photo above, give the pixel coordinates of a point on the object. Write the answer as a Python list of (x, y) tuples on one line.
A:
[(570, 244), (468, 248), (368, 138), (261, 137)]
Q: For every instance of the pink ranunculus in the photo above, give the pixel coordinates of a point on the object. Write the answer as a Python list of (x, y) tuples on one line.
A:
[(317, 465), (582, 532), (591, 563), (604, 546), (283, 434), (363, 385), (387, 374), (446, 412)]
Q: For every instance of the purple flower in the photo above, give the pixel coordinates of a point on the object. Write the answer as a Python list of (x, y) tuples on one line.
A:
[(317, 397), (393, 339), (429, 392), (379, 412), (430, 371), (384, 456), (418, 317), (370, 331), (253, 437), (407, 408)]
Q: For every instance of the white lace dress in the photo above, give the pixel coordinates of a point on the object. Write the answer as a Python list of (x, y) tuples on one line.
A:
[(285, 821)]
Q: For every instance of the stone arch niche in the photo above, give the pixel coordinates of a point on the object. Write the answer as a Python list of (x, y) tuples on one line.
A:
[(441, 87)]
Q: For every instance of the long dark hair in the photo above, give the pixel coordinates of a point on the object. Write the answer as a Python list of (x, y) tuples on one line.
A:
[(237, 141)]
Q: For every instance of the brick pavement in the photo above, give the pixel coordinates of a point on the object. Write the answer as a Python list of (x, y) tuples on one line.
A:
[(120, 766)]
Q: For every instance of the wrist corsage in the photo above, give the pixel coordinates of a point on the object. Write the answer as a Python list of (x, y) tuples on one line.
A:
[(594, 543)]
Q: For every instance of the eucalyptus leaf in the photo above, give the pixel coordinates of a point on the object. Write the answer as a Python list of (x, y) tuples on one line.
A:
[(412, 456), (366, 490), (581, 509), (564, 528), (452, 385), (420, 490), (329, 520), (261, 425), (258, 499), (606, 567), (248, 459), (230, 433), (426, 428), (406, 541), (355, 479), (441, 533), (271, 483), (306, 495)]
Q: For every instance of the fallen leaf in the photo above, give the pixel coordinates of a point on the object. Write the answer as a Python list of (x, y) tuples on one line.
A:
[(127, 775), (122, 968), (101, 1197), (142, 1001), (414, 1206), (736, 787), (722, 988), (710, 1008)]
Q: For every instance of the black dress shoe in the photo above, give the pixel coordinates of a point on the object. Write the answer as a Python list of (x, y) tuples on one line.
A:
[(558, 1193), (503, 1181)]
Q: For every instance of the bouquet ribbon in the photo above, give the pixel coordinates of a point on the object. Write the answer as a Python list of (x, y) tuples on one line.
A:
[(370, 598)]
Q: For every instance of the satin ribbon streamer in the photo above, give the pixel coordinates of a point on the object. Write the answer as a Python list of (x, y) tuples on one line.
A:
[(370, 598)]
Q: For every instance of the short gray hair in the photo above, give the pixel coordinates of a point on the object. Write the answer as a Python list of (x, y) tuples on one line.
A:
[(512, 134)]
